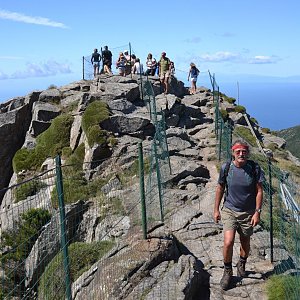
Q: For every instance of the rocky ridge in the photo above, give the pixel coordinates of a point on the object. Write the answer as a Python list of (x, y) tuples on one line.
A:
[(182, 258)]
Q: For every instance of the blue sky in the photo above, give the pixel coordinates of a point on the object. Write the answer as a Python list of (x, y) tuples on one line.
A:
[(43, 42)]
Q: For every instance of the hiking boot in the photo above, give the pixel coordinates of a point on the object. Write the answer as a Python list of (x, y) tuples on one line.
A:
[(240, 268), (225, 281)]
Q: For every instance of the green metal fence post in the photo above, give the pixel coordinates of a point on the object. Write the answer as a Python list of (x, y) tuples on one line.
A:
[(82, 67), (62, 213), (220, 140), (158, 181), (142, 191), (271, 209)]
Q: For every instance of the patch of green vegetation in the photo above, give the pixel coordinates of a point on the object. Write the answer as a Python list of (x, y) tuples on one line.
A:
[(265, 130), (27, 189), (52, 86), (95, 135), (246, 134), (21, 239), (49, 144), (66, 152), (95, 113), (81, 256), (292, 137), (75, 160), (18, 243), (283, 287), (253, 120), (224, 114), (272, 146), (240, 109), (230, 100), (71, 107)]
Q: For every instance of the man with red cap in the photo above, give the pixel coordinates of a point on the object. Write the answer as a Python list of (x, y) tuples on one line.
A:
[(240, 212)]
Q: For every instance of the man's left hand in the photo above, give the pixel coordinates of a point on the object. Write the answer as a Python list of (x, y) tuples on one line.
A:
[(255, 219)]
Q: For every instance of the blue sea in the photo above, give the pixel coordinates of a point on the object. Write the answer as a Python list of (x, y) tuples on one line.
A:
[(275, 105)]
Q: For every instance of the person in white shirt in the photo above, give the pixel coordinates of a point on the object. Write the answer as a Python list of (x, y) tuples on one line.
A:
[(137, 67)]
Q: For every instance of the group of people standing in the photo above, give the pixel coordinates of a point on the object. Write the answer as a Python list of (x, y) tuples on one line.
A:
[(164, 68), (106, 57), (126, 64)]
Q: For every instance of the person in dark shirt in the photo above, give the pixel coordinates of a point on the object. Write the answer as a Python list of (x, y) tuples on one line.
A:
[(107, 60), (95, 60), (241, 210)]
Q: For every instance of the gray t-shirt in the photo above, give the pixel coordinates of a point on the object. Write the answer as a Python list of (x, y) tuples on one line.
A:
[(241, 183)]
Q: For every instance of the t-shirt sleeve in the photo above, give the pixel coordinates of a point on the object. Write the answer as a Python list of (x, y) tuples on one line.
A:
[(222, 178)]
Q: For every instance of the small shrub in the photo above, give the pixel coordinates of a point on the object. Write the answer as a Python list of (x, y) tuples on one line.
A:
[(52, 86), (95, 113), (224, 114), (272, 146), (82, 256), (27, 189), (265, 130), (283, 287), (240, 109), (21, 239), (23, 160), (230, 100), (253, 120), (49, 144), (96, 136)]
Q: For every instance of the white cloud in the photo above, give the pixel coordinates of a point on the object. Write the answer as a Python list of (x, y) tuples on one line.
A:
[(220, 56), (17, 17), (263, 59), (49, 68)]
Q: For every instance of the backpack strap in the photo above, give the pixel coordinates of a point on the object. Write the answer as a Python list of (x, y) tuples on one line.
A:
[(226, 171), (253, 165)]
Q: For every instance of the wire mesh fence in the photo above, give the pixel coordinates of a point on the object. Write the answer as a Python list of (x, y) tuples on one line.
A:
[(65, 233)]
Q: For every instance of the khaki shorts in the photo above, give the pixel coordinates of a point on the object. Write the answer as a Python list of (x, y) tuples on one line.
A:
[(239, 221), (164, 75)]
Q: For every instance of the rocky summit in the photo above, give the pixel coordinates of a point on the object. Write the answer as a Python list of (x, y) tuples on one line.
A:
[(181, 257)]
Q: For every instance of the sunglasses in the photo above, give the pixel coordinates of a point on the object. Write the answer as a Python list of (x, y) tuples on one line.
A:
[(241, 151)]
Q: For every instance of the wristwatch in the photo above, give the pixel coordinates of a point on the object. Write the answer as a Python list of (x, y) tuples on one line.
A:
[(258, 210)]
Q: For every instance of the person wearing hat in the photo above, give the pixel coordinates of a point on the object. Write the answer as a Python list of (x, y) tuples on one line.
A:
[(193, 74), (242, 179), (164, 66), (95, 60)]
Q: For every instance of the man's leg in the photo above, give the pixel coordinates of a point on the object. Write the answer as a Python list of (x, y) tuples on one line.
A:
[(244, 253), (229, 236), (166, 84)]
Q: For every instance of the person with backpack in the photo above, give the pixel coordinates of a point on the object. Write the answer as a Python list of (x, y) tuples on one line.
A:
[(107, 60), (193, 74), (241, 182)]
